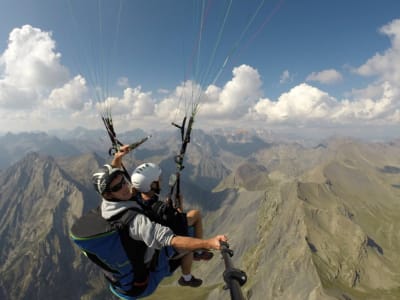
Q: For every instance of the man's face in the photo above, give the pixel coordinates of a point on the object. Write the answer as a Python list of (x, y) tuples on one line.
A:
[(154, 192), (156, 186), (120, 188)]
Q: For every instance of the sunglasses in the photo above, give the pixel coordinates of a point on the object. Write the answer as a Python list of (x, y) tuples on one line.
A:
[(119, 185)]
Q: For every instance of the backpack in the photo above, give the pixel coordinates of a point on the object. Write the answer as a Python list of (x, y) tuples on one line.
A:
[(107, 243)]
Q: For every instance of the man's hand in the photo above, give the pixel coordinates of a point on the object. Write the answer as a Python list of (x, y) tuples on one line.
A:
[(215, 241), (123, 150), (117, 160)]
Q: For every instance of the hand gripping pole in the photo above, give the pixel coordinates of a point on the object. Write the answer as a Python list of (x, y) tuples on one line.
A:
[(234, 278)]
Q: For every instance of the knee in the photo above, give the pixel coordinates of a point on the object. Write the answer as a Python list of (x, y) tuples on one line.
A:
[(196, 214), (193, 216)]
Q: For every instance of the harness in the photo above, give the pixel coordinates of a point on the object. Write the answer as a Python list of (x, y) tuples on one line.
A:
[(107, 243)]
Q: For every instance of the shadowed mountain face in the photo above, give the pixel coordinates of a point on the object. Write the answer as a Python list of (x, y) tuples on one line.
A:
[(304, 222), (38, 201)]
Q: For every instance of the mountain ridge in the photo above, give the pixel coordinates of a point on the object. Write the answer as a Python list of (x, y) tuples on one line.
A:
[(304, 222)]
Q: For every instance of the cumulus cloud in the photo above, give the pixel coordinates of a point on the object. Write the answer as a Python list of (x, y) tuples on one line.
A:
[(31, 68), (36, 86), (72, 95), (326, 76), (385, 65), (12, 97), (307, 105), (133, 105), (381, 98), (236, 97), (179, 101), (376, 103), (140, 103), (366, 108), (301, 104)]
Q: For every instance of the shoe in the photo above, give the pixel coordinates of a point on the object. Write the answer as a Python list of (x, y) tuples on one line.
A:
[(203, 255), (194, 282)]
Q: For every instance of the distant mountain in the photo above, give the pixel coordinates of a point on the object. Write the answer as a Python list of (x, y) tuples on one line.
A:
[(242, 145), (65, 144), (79, 133), (248, 175), (14, 146), (38, 202), (304, 222)]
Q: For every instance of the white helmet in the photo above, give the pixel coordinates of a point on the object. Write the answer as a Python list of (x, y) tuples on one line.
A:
[(144, 175)]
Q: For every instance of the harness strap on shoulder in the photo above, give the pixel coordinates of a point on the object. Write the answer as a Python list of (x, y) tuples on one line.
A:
[(135, 250), (121, 220)]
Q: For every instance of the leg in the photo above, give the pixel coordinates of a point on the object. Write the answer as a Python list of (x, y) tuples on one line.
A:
[(186, 263), (187, 279), (194, 219)]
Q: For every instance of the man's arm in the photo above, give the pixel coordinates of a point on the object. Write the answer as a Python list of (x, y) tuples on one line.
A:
[(117, 160), (156, 236), (189, 243), (153, 234)]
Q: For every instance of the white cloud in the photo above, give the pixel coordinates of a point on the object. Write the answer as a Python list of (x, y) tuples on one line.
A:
[(307, 105), (163, 91), (372, 91), (301, 104), (72, 96), (180, 102), (326, 76), (13, 97), (140, 103), (35, 88), (366, 108), (377, 103), (123, 81), (30, 67), (133, 104), (285, 77), (385, 65), (236, 97), (380, 100)]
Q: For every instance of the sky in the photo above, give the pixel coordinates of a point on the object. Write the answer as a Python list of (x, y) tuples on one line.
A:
[(310, 67)]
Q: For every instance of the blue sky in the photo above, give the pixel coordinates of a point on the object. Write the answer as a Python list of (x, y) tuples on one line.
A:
[(326, 66)]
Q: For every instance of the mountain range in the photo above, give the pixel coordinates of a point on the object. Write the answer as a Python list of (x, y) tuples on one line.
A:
[(304, 221)]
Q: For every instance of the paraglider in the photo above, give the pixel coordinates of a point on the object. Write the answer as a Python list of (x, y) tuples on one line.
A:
[(124, 238), (139, 276)]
